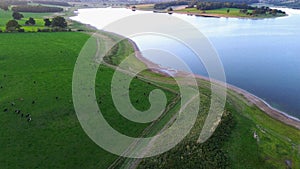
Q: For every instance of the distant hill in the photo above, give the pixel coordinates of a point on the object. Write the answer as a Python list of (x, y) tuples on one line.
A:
[(287, 3), (234, 1), (58, 3)]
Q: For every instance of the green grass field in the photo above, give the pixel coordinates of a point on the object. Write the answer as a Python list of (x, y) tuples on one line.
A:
[(39, 72), (277, 143), (36, 76), (54, 139), (223, 11)]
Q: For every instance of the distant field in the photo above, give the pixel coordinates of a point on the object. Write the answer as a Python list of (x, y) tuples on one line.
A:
[(233, 12), (5, 16), (223, 11)]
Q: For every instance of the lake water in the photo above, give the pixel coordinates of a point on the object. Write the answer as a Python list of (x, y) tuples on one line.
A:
[(259, 56)]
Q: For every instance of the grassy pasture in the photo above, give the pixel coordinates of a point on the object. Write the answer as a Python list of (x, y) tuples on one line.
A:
[(54, 136), (223, 11), (39, 72), (234, 12)]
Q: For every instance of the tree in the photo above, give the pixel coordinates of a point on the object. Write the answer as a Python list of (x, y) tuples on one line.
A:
[(228, 10), (274, 11), (47, 22), (243, 11), (17, 15), (170, 9), (59, 21), (31, 21), (12, 25), (133, 8)]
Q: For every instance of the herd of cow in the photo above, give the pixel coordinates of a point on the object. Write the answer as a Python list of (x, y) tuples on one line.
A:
[(19, 112)]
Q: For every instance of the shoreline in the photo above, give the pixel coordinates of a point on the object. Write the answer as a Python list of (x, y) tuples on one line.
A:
[(251, 98)]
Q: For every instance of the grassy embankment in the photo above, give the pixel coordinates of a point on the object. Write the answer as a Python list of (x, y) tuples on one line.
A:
[(277, 142)]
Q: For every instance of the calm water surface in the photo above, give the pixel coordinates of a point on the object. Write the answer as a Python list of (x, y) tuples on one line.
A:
[(259, 56)]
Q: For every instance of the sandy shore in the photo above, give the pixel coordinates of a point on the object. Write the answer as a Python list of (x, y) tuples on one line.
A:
[(260, 103)]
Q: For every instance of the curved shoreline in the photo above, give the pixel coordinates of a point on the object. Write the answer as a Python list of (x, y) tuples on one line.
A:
[(260, 103), (251, 98)]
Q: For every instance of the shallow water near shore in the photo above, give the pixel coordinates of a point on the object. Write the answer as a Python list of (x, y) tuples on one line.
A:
[(260, 56)]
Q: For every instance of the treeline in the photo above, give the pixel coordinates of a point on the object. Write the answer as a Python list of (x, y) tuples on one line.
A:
[(232, 1), (58, 3), (36, 9), (57, 24), (266, 10), (218, 5), (191, 3), (164, 5)]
